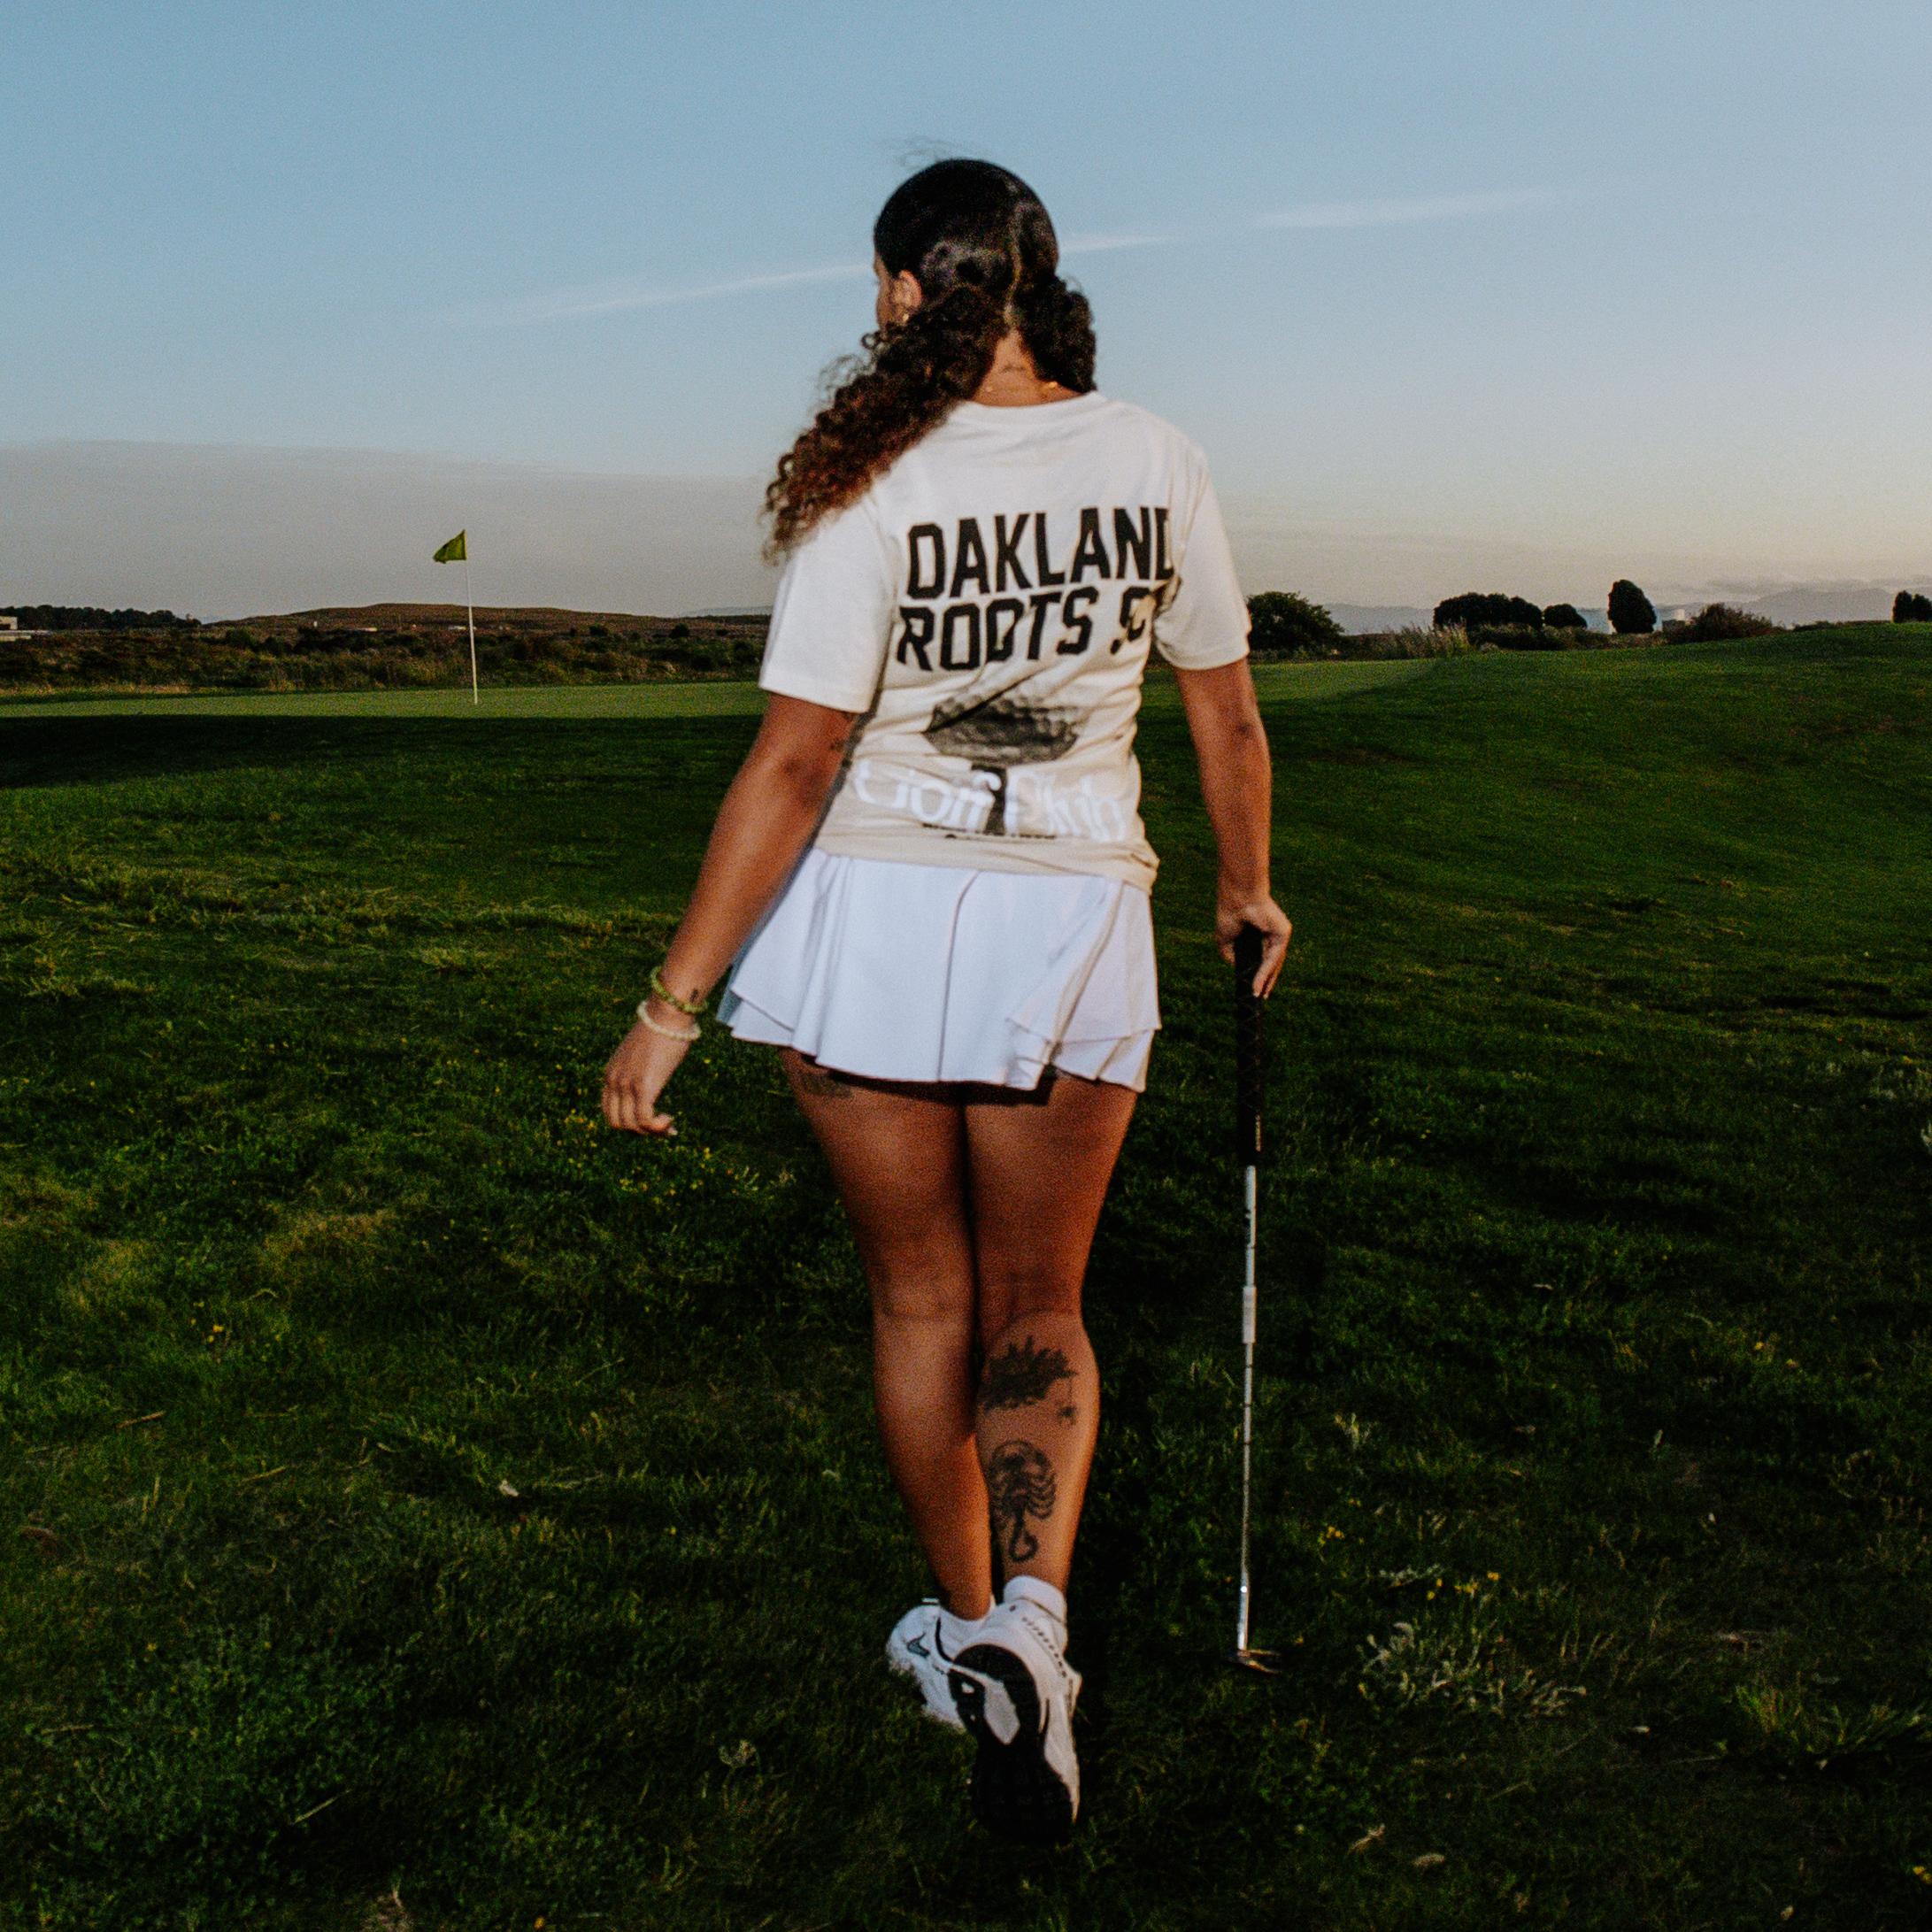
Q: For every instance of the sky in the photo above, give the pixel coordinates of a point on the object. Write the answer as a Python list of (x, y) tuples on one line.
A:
[(1454, 295)]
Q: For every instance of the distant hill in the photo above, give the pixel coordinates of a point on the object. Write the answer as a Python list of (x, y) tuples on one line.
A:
[(1848, 603), (545, 618), (1359, 618), (386, 647)]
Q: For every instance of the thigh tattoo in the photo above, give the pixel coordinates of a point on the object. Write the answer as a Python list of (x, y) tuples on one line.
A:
[(822, 1084)]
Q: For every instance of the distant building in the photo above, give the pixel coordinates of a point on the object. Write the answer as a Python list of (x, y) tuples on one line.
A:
[(10, 623)]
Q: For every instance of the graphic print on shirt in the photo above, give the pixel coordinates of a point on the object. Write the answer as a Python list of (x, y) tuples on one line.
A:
[(1012, 606), (997, 732)]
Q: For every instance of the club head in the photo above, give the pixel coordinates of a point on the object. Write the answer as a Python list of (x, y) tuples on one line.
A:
[(1254, 1663)]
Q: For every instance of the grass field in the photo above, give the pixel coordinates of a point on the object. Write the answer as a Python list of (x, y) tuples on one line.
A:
[(682, 698), (423, 1508)]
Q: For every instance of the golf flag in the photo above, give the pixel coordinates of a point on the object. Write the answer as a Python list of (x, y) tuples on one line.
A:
[(457, 551)]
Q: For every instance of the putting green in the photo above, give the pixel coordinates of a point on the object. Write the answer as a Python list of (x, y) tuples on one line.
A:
[(679, 698)]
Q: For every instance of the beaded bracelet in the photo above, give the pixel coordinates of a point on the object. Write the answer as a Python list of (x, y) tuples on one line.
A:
[(667, 1033), (691, 1009)]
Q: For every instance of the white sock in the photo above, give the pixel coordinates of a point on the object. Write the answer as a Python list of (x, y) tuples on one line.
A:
[(1035, 1592), (954, 1631)]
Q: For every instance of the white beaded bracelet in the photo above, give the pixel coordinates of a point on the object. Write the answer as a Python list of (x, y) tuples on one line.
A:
[(667, 1033)]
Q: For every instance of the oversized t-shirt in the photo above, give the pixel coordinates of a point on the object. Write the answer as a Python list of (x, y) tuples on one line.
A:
[(988, 605)]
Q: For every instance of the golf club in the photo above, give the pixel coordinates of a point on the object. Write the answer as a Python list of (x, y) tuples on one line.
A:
[(1248, 949)]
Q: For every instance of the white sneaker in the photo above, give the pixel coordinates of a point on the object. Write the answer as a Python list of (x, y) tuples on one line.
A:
[(1015, 1691), (917, 1649)]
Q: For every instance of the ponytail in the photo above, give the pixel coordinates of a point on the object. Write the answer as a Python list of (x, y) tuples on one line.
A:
[(1057, 326), (981, 245)]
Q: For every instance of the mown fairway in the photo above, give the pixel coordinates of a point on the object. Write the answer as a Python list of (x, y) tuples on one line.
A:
[(409, 1488)]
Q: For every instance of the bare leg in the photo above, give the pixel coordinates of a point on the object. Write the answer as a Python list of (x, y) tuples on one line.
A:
[(898, 1155), (1039, 1175)]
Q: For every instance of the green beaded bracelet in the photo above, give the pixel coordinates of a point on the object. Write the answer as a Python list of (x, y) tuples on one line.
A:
[(671, 999)]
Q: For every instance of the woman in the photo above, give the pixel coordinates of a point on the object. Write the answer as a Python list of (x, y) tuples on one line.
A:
[(932, 876)]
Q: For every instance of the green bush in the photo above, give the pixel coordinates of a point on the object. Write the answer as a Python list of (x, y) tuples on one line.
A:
[(1565, 616), (1522, 637), (1912, 607), (1281, 623), (73, 617), (1631, 614), (1720, 621), (1486, 610), (1414, 641)]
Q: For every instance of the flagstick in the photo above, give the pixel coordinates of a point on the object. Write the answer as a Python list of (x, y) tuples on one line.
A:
[(476, 696)]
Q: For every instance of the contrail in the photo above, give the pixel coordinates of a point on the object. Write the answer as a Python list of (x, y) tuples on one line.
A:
[(1375, 214), (618, 298), (1105, 245), (615, 298), (612, 298)]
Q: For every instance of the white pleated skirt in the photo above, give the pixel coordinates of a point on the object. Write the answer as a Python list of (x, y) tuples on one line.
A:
[(937, 973)]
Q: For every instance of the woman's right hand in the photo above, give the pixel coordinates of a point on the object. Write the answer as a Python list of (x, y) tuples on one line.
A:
[(638, 1073), (766, 822)]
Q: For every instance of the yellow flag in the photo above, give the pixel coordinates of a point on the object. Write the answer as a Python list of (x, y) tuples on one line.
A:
[(455, 552)]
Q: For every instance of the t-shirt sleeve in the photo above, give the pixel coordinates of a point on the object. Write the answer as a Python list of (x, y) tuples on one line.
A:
[(1205, 625), (832, 615)]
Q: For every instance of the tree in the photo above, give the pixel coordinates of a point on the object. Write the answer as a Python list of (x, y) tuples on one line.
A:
[(1716, 621), (63, 617), (1492, 608), (1280, 622), (1565, 616), (1631, 612), (1912, 607)]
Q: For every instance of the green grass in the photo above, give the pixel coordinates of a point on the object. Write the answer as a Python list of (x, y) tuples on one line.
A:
[(431, 1493), (671, 699)]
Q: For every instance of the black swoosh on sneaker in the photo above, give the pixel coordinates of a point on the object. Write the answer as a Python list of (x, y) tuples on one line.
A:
[(1016, 1794)]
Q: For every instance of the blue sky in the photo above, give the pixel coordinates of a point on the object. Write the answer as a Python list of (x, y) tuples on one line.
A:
[(1436, 285)]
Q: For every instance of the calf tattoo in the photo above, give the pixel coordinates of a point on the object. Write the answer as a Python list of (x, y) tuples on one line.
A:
[(1018, 1485), (1022, 1374)]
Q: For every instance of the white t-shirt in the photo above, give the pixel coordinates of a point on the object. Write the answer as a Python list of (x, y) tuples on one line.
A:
[(988, 605)]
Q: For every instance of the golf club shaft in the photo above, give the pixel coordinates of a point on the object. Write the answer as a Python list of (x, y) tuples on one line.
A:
[(1247, 1404), (1247, 949)]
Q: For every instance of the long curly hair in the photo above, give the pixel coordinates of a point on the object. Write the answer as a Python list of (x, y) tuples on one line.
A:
[(981, 245)]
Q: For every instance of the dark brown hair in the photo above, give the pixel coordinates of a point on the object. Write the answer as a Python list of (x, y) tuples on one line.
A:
[(983, 251)]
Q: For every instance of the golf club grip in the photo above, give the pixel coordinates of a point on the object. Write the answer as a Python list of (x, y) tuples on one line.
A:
[(1248, 947)]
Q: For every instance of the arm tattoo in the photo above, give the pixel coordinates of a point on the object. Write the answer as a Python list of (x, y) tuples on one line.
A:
[(1022, 1375), (1018, 1485)]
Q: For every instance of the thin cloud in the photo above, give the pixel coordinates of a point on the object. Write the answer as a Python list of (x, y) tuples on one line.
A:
[(1378, 214), (1105, 245), (618, 298), (615, 298)]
